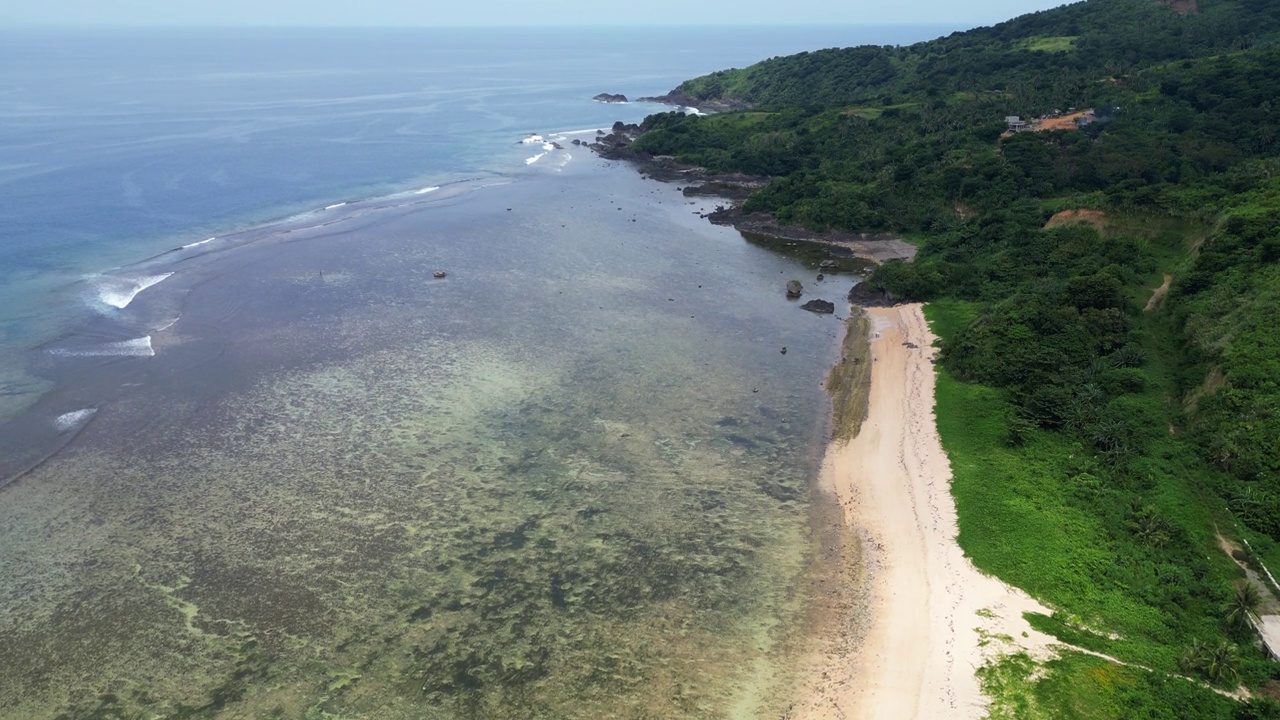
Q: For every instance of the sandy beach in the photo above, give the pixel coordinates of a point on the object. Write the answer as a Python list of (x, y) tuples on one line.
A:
[(929, 619)]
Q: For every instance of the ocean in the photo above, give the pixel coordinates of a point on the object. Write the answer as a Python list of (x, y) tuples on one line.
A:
[(258, 460)]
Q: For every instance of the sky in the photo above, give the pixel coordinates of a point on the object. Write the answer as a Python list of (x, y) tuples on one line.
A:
[(381, 13)]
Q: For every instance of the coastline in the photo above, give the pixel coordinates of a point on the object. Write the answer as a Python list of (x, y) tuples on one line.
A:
[(932, 618), (876, 248)]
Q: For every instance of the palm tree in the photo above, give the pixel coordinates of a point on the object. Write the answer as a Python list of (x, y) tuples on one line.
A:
[(1150, 528), (1193, 658), (1222, 663), (1217, 663), (1242, 610)]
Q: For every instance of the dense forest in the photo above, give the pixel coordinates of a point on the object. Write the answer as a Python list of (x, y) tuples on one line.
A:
[(1119, 375)]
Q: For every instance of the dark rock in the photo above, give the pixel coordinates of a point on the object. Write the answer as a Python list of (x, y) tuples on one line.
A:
[(822, 307), (610, 98), (821, 277), (863, 296), (794, 289), (680, 100), (439, 274), (829, 265), (576, 141), (784, 351)]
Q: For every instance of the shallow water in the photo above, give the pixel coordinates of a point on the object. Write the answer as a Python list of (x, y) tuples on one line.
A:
[(570, 479), (116, 145)]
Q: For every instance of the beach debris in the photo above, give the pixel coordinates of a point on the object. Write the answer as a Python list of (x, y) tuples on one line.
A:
[(794, 289), (822, 307), (439, 274)]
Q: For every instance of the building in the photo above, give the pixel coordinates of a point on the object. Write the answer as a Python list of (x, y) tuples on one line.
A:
[(1016, 123)]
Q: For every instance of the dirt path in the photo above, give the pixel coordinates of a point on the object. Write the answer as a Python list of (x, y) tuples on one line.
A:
[(1157, 295)]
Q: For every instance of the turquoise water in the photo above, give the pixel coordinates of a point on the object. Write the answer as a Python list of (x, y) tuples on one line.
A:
[(289, 472)]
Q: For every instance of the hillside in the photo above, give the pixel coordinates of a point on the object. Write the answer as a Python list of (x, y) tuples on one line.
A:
[(1108, 437), (1045, 59)]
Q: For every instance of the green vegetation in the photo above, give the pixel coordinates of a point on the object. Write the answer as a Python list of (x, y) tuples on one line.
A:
[(1099, 446), (849, 382), (1060, 43), (1078, 686)]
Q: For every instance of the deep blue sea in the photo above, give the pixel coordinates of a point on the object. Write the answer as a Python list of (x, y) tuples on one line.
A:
[(269, 465)]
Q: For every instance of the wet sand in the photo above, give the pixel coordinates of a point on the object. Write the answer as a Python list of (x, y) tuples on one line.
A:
[(928, 614)]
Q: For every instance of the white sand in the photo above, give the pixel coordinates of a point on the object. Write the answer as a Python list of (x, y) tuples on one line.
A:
[(923, 637)]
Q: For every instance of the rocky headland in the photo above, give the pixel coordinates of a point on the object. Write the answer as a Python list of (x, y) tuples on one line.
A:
[(617, 144), (678, 98)]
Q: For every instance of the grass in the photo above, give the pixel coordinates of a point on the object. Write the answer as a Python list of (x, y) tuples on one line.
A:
[(1052, 44), (871, 113), (1077, 686)]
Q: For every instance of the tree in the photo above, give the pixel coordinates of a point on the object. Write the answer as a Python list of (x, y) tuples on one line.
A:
[(1242, 610), (1222, 664), (1217, 663)]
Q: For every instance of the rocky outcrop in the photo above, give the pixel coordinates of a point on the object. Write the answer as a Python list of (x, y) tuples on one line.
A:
[(822, 307), (863, 296), (876, 247), (679, 99), (794, 289), (610, 98)]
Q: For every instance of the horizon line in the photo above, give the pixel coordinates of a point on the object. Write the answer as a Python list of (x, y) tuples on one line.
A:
[(543, 26)]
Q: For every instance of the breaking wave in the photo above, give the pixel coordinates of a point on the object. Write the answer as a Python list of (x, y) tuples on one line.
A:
[(119, 292), (73, 420), (137, 347)]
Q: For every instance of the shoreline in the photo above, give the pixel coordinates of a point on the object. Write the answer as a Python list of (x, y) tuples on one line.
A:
[(933, 619), (876, 248)]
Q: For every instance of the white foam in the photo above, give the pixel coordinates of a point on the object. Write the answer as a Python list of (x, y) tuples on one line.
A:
[(426, 190), (588, 131), (119, 292), (197, 244), (137, 347), (335, 205), (532, 139), (548, 147), (168, 325), (535, 158), (73, 420)]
